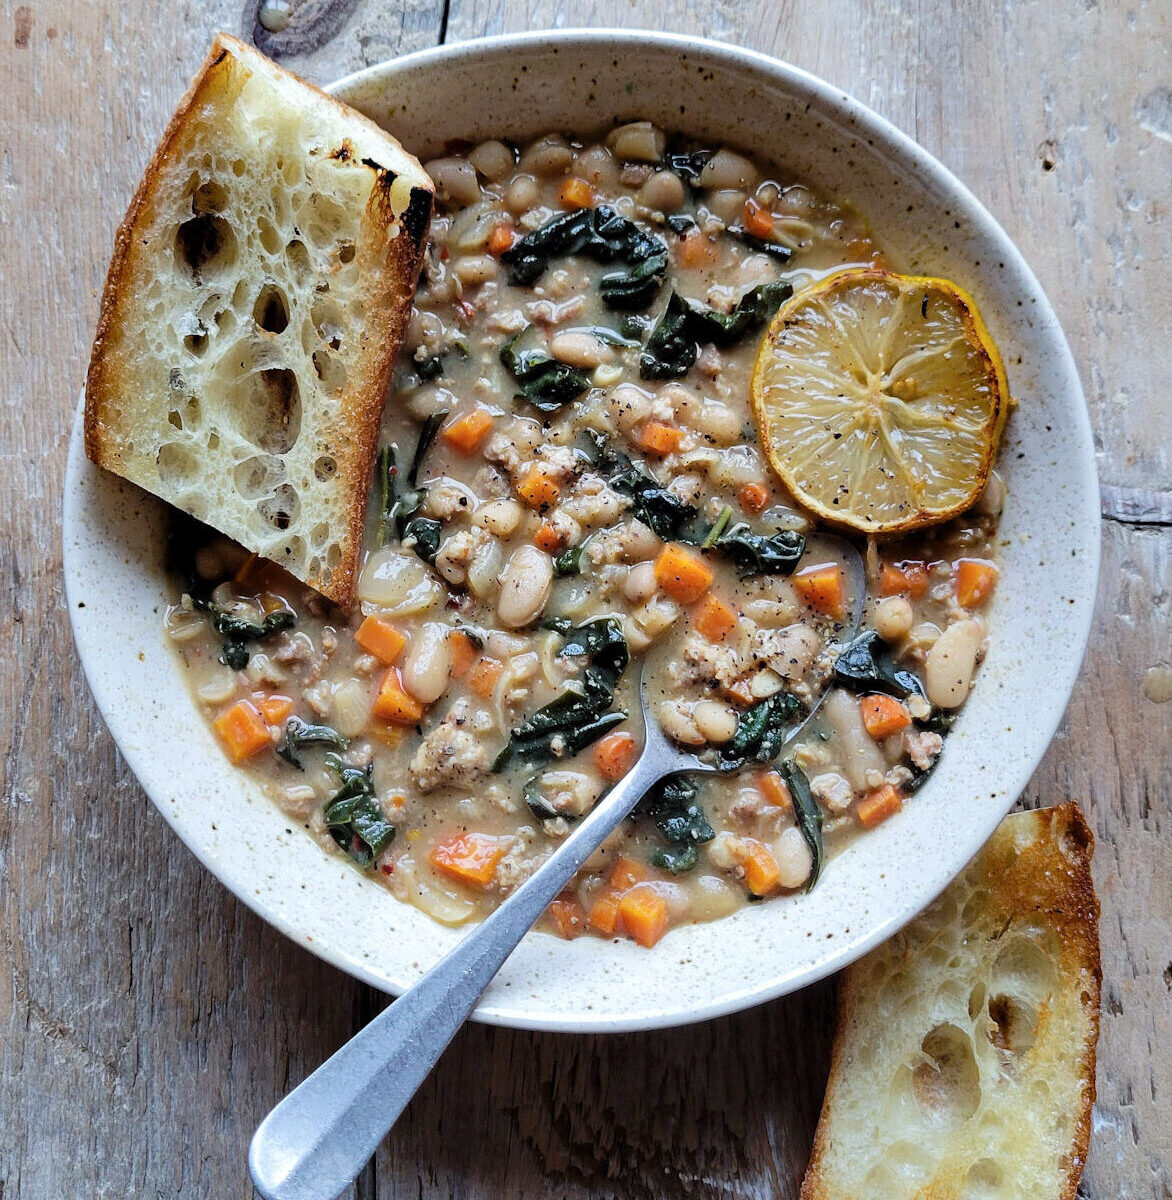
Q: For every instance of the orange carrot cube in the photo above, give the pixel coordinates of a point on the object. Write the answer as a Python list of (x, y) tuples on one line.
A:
[(626, 872), (772, 788), (615, 754), (757, 219), (575, 193), (465, 433), (821, 588), (547, 538), (715, 619), (761, 873), (659, 439), (696, 249), (753, 497), (380, 638), (604, 912), (538, 490), (464, 653), (484, 676), (242, 730), (274, 709), (394, 704), (643, 914), (501, 239), (883, 715), (567, 916), (903, 578), (975, 580), (878, 806), (469, 858), (682, 574)]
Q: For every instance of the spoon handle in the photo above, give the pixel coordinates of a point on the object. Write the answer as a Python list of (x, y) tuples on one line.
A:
[(320, 1136)]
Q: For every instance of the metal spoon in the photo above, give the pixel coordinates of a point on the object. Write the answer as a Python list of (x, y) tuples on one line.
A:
[(316, 1140)]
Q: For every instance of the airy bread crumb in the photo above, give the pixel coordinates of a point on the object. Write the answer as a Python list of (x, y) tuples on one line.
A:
[(258, 293), (964, 1057)]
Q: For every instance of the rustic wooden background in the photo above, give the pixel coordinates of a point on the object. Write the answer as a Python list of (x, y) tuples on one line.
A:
[(148, 1020)]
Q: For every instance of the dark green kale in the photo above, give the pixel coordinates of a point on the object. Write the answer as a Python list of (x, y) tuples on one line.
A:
[(687, 164), (299, 734), (238, 632), (601, 234), (398, 505), (861, 667), (353, 815), (546, 383), (808, 814), (427, 369), (677, 860), (424, 535), (580, 714), (761, 245), (754, 553), (761, 732), (569, 562), (673, 806), (673, 347)]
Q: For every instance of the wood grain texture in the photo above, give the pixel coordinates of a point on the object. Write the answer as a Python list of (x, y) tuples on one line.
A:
[(148, 1020)]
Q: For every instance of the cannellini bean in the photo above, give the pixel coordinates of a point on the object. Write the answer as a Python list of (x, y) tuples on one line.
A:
[(499, 517), (657, 615), (719, 423), (641, 541), (727, 169), (640, 584), (219, 686), (628, 405), (640, 141), (472, 269), (678, 724), (663, 192), (727, 204), (597, 166), (856, 749), (525, 585), (548, 156), (712, 898), (455, 181), (893, 618), (794, 859), (484, 569), (948, 670), (716, 721), (992, 499), (428, 667), (580, 348), (494, 160), (522, 194)]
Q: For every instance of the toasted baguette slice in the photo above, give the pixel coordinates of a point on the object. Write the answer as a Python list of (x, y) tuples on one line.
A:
[(258, 293), (964, 1058)]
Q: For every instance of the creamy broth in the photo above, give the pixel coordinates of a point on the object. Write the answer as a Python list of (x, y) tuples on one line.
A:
[(553, 537)]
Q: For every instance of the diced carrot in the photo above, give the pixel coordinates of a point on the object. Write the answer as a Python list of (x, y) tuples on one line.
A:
[(501, 239), (547, 538), (484, 676), (757, 219), (575, 193), (753, 497), (470, 858), (975, 580), (538, 490), (380, 638), (910, 578), (772, 787), (657, 438), (604, 912), (626, 872), (464, 653), (761, 873), (683, 575), (883, 715), (696, 249), (643, 914), (615, 754), (567, 916), (715, 620), (394, 704), (465, 432), (878, 806), (243, 731), (822, 589), (274, 709)]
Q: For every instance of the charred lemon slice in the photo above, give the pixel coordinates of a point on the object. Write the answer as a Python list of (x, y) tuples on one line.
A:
[(880, 399)]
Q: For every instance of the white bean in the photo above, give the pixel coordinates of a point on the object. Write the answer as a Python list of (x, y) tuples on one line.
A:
[(857, 751), (640, 141), (597, 167), (548, 156), (727, 204), (522, 194), (472, 269), (719, 423), (716, 721), (494, 160), (499, 517), (948, 670), (893, 618), (628, 405), (455, 181), (794, 859), (663, 192), (428, 667), (484, 569), (640, 584), (679, 724), (727, 169), (580, 348), (657, 615), (525, 585)]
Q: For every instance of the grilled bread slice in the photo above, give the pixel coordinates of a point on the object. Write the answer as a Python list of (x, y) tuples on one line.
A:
[(964, 1058), (259, 289)]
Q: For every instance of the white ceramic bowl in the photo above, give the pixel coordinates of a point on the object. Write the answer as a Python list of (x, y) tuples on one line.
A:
[(583, 82)]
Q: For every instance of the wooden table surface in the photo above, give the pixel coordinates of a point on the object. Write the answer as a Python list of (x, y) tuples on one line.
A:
[(148, 1020)]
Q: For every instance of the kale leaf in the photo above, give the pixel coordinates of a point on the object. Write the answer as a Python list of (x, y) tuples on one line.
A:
[(424, 535), (680, 819), (299, 734), (544, 381), (761, 245), (677, 860), (569, 562), (808, 814), (861, 667), (398, 506), (579, 714), (601, 234), (761, 732), (755, 553), (673, 347), (353, 815), (430, 368), (237, 632)]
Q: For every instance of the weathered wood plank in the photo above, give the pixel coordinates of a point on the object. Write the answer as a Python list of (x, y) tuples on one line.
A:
[(148, 1020)]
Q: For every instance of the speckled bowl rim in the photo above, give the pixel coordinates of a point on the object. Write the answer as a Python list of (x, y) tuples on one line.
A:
[(697, 972)]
